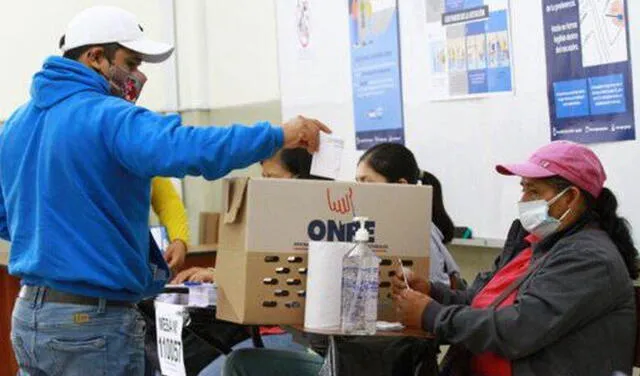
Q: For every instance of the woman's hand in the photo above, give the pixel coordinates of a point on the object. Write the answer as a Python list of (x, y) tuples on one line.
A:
[(410, 305), (175, 254), (415, 283), (195, 274)]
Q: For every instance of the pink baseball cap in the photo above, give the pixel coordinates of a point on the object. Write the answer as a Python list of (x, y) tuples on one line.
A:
[(574, 162)]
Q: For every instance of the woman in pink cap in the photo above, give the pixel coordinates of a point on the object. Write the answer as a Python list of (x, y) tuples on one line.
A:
[(560, 298)]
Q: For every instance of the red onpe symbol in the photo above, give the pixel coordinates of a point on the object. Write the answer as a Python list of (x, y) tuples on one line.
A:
[(342, 205)]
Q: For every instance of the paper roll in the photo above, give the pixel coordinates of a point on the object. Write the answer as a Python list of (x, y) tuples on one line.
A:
[(324, 284)]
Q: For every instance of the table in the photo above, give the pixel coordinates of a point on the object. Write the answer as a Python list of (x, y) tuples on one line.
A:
[(204, 337), (202, 249), (407, 332), (210, 312), (203, 255), (361, 347)]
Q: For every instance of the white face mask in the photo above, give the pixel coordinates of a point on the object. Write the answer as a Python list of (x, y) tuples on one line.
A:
[(535, 218)]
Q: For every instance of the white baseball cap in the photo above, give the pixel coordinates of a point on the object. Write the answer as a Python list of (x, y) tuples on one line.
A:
[(106, 24)]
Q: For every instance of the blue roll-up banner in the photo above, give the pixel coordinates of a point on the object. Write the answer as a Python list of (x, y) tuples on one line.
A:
[(376, 75), (590, 88)]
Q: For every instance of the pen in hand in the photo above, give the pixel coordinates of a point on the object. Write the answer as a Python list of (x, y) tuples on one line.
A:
[(404, 274)]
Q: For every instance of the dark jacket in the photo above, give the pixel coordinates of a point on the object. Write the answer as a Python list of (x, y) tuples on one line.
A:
[(575, 315)]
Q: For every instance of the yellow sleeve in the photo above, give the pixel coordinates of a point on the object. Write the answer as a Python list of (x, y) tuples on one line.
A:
[(169, 208)]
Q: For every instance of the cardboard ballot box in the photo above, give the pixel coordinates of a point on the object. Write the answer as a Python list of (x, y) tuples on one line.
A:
[(266, 225), (208, 229)]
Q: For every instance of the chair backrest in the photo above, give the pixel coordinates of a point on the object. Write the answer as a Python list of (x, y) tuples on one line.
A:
[(636, 358)]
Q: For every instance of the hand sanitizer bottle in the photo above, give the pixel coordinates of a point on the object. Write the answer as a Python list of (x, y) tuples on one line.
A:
[(360, 276)]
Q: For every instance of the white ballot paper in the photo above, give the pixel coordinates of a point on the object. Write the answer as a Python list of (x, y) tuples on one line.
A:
[(327, 160)]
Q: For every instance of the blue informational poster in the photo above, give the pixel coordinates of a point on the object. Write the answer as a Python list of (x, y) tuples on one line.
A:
[(589, 70), (470, 48), (375, 70)]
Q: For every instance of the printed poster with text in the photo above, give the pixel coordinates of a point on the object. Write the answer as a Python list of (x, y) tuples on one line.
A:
[(375, 70), (469, 48), (589, 70)]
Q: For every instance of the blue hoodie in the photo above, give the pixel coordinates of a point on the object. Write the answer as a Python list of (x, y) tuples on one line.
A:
[(75, 170)]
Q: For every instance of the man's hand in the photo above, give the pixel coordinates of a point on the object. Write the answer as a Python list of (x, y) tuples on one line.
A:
[(410, 305), (175, 254), (301, 132), (195, 274), (415, 283)]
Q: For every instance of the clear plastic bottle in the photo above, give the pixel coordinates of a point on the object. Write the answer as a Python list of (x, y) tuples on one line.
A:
[(360, 277)]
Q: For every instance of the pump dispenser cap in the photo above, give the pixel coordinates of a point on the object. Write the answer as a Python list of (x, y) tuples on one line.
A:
[(362, 235)]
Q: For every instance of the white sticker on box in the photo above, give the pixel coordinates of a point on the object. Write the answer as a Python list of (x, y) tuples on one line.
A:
[(327, 160), (169, 322)]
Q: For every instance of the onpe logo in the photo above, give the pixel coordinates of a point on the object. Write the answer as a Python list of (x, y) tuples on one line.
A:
[(331, 230), (341, 205)]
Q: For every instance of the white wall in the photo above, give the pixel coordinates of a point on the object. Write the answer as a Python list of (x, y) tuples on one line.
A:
[(225, 61), (316, 80), (460, 141), (226, 53), (225, 50), (31, 30), (241, 52), (191, 54)]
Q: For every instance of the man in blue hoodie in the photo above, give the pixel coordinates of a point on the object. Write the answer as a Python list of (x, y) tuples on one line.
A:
[(75, 168)]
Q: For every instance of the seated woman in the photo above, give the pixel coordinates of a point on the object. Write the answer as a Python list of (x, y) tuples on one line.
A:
[(394, 163), (289, 164), (560, 299), (286, 164)]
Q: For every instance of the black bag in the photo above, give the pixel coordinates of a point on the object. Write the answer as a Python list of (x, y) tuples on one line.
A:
[(456, 362), (381, 356)]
